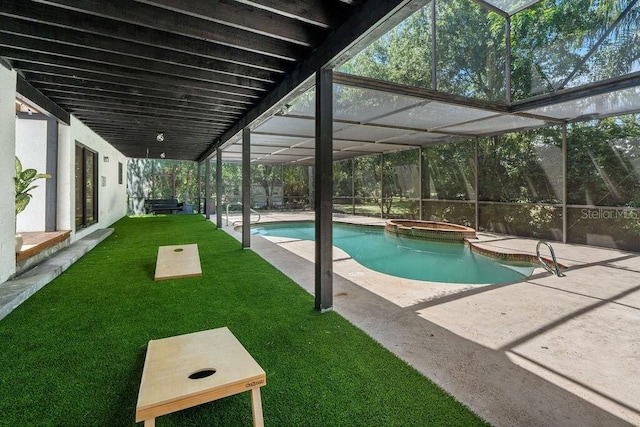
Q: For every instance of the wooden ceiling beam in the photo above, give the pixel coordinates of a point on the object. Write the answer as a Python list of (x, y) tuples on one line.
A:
[(150, 134), (145, 88), (22, 59), (55, 49), (148, 121), (164, 20), (245, 17), (75, 105), (323, 13), (98, 102), (164, 117), (121, 47), (90, 24), (75, 88)]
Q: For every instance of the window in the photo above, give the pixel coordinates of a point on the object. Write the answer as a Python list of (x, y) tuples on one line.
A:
[(86, 188), (119, 173)]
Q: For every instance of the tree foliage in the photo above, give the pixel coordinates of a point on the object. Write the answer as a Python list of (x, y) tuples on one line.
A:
[(554, 44)]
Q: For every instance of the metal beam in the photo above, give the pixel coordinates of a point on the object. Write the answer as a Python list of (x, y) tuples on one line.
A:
[(246, 188), (207, 189), (199, 193), (34, 96), (599, 88), (324, 191), (219, 189), (507, 62), (476, 181), (565, 190)]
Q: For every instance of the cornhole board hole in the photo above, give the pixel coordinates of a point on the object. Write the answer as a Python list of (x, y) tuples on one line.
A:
[(188, 370), (178, 261)]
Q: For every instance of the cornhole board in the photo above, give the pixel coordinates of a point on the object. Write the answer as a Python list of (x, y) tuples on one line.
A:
[(188, 370), (178, 261)]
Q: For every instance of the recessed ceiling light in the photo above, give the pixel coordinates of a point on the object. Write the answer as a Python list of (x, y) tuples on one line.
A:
[(160, 136)]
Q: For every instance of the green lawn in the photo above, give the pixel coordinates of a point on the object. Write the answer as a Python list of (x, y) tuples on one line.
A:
[(73, 353)]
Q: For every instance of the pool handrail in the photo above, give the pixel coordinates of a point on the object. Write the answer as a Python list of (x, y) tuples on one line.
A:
[(240, 204), (556, 269)]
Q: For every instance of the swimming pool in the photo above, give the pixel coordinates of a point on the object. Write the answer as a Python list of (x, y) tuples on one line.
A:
[(408, 258)]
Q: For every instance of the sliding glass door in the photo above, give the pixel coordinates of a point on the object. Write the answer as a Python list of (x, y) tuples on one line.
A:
[(86, 186)]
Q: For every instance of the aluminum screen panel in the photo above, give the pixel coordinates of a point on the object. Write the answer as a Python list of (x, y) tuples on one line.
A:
[(369, 133), (305, 152), (433, 115), (255, 149), (495, 125), (422, 138), (292, 126), (362, 105), (377, 148), (511, 6), (618, 102), (275, 140), (338, 144)]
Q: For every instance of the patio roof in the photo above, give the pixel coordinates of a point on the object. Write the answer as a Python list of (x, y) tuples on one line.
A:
[(191, 70), (201, 74), (372, 116)]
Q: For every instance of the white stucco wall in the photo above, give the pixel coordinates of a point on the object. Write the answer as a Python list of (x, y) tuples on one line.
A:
[(112, 197), (31, 149), (7, 172)]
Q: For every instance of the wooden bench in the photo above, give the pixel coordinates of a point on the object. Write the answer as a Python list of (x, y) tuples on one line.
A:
[(166, 206)]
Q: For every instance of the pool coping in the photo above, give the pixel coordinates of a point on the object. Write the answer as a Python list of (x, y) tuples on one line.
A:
[(473, 244)]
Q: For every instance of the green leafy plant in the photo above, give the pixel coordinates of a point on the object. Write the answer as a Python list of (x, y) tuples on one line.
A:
[(24, 179)]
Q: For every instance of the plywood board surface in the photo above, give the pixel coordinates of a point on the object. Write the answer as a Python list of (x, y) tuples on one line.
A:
[(166, 387), (178, 261)]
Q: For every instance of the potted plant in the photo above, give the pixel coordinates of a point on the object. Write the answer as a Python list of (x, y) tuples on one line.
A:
[(24, 180)]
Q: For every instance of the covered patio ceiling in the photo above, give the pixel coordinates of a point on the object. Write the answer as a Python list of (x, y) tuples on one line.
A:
[(195, 71), (200, 73)]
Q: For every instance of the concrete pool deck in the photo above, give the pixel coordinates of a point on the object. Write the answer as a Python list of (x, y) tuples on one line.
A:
[(546, 351)]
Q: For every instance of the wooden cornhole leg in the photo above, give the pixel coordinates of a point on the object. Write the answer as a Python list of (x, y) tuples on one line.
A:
[(256, 408), (151, 422)]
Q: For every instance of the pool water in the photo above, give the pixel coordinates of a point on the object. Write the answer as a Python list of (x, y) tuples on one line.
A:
[(409, 258)]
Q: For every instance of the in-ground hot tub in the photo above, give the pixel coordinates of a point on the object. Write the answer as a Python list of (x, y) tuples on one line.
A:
[(429, 230)]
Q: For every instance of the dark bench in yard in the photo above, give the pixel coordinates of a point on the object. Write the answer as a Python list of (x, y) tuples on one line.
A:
[(163, 206)]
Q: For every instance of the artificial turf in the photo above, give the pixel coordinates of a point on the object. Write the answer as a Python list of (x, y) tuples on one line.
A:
[(73, 353)]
